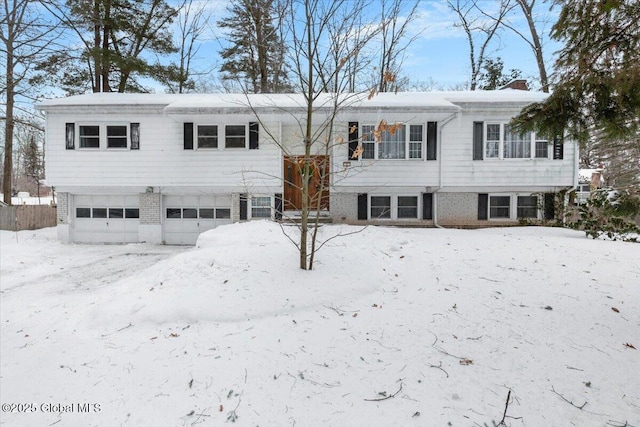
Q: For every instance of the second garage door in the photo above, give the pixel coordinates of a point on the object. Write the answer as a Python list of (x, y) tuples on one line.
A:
[(185, 217), (106, 219)]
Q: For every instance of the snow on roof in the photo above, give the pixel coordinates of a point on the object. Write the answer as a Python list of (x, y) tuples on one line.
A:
[(437, 100)]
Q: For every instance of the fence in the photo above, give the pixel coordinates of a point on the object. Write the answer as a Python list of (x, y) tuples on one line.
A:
[(27, 217)]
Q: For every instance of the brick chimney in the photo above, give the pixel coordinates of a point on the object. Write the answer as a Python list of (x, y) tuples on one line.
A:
[(518, 84)]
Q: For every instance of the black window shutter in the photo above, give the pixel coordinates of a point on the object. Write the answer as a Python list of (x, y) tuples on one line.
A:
[(243, 206), (549, 206), (558, 148), (363, 206), (253, 136), (353, 139), (478, 128), (70, 135), (427, 205), (278, 206), (135, 136), (432, 138), (483, 206), (188, 136)]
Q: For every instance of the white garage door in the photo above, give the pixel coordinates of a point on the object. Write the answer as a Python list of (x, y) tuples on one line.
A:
[(185, 217), (106, 219)]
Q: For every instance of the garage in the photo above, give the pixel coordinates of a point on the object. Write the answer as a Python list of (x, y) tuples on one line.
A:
[(106, 219), (185, 217)]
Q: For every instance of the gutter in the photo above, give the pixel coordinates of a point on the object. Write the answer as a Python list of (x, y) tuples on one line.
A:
[(435, 199)]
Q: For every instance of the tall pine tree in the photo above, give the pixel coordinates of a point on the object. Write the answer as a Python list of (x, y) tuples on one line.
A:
[(256, 55)]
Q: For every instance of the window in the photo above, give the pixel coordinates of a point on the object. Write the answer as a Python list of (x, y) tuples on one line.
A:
[(516, 145), (189, 213), (132, 213), (493, 141), (206, 213), (403, 143), (415, 141), (116, 136), (89, 136), (392, 145), (500, 207), (527, 207), (99, 212), (261, 207), (368, 142), (501, 142), (407, 207), (116, 213), (223, 213), (174, 213), (235, 136), (542, 148), (208, 136), (83, 212), (380, 207)]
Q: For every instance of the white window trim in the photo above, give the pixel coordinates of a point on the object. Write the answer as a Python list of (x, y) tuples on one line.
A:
[(222, 136), (103, 140), (407, 141), (197, 140), (532, 151), (250, 206), (513, 206), (394, 207)]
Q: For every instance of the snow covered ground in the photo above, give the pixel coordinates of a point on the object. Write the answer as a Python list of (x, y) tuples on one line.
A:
[(394, 327)]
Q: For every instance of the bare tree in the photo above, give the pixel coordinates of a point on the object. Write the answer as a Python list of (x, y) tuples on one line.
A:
[(480, 30), (533, 39), (395, 40), (324, 40), (25, 38), (193, 21)]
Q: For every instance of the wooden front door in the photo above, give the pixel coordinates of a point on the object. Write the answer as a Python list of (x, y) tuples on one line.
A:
[(318, 184)]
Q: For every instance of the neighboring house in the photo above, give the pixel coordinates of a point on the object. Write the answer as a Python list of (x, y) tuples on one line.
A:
[(163, 168), (588, 180)]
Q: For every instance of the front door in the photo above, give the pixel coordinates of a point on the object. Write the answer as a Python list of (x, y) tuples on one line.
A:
[(318, 184)]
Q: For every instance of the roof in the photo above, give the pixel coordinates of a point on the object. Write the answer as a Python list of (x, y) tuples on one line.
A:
[(173, 102)]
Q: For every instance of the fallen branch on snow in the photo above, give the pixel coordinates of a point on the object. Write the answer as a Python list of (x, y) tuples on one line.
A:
[(385, 397)]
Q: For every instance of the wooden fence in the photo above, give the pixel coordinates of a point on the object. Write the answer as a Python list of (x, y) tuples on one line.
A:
[(27, 217)]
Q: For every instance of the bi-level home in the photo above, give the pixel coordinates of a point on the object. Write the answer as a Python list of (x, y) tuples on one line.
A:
[(163, 168)]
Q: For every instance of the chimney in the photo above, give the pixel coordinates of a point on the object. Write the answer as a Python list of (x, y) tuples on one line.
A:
[(518, 84)]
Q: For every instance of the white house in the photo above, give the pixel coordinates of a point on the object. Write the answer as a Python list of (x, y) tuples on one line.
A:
[(163, 168)]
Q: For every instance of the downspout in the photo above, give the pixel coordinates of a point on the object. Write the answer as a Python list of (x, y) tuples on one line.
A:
[(439, 139), (576, 171)]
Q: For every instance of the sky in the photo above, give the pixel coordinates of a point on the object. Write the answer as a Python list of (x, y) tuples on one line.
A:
[(439, 54)]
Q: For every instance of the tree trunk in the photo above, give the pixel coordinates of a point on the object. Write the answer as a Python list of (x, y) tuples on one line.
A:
[(537, 46), (9, 123), (97, 43)]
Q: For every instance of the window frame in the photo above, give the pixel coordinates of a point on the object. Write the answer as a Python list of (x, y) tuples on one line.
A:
[(245, 136), (260, 207), (394, 207), (80, 137), (103, 136), (536, 206), (514, 206), (371, 147), (490, 217), (503, 127), (198, 137)]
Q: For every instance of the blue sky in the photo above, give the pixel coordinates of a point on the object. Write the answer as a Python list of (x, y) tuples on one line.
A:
[(440, 52)]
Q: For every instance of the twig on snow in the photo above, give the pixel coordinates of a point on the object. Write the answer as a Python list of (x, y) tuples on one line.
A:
[(568, 401), (506, 407), (440, 367), (385, 397)]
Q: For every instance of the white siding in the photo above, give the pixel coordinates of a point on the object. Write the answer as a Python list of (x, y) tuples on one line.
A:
[(161, 159), (460, 170)]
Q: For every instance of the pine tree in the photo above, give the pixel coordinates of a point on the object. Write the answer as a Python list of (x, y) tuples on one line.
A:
[(256, 57), (597, 73)]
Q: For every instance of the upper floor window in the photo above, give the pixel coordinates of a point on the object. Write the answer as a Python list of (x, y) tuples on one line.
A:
[(116, 136), (208, 136), (89, 136), (502, 142), (102, 136), (235, 136), (401, 142)]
